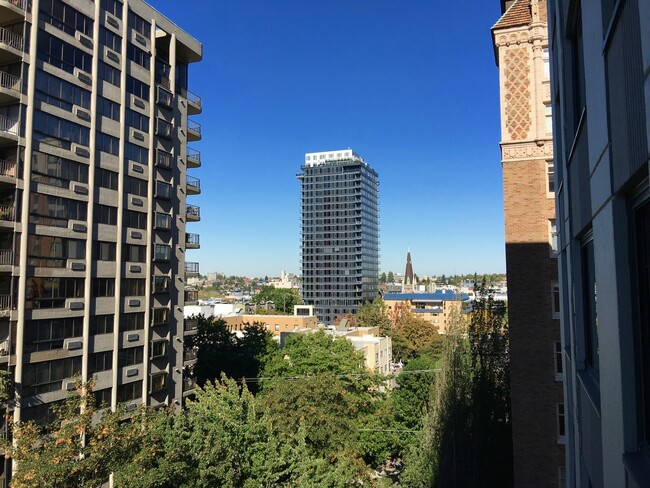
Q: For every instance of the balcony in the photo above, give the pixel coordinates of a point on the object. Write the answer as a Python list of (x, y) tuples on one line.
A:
[(163, 129), (9, 88), (193, 101), (188, 385), (190, 326), (193, 185), (7, 213), (191, 297), (193, 130), (5, 302), (192, 241), (6, 257), (191, 269), (164, 159), (189, 356), (193, 158), (193, 213), (11, 44), (8, 128), (7, 169), (12, 10)]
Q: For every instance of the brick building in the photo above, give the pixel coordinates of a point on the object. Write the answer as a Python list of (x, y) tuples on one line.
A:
[(521, 50)]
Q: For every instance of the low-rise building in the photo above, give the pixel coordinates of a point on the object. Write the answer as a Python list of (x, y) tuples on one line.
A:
[(435, 308), (275, 324)]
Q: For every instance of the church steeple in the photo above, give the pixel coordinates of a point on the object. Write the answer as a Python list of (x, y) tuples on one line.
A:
[(408, 283)]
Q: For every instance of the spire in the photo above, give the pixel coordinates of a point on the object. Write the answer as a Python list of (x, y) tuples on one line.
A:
[(408, 274)]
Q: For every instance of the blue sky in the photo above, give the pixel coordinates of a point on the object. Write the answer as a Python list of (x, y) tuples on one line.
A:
[(410, 85)]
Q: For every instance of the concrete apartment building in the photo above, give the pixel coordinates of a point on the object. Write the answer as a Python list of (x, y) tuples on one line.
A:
[(522, 56), (94, 162), (340, 232), (600, 52)]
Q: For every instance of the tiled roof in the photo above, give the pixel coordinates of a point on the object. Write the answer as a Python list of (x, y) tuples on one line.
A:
[(518, 14)]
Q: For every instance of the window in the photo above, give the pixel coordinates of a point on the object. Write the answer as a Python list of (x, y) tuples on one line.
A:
[(43, 292), (137, 153), (53, 252), (163, 252), (109, 74), (556, 301), (101, 324), (133, 321), (62, 55), (134, 253), (105, 214), (137, 87), (138, 56), (113, 7), (60, 93), (158, 382), (161, 284), (106, 179), (577, 70), (106, 143), (57, 171), (163, 128), (137, 220), (55, 211), (132, 287), (561, 424), (163, 159), (129, 392), (108, 108), (137, 120), (559, 369), (547, 63), (139, 25), (103, 251), (110, 39), (160, 316), (552, 234), (163, 190), (49, 334), (100, 361), (47, 126), (136, 186), (103, 287), (550, 176), (590, 314), (47, 376), (65, 18), (129, 356), (548, 115), (158, 349), (102, 398), (163, 221)]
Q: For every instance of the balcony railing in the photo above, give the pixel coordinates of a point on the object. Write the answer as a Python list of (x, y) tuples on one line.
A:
[(192, 268), (16, 3), (11, 39), (193, 184), (191, 325), (193, 157), (193, 126), (189, 354), (191, 97), (7, 212), (6, 256), (7, 168), (191, 296), (5, 348), (8, 125), (192, 240), (193, 212), (5, 302), (9, 81), (188, 384)]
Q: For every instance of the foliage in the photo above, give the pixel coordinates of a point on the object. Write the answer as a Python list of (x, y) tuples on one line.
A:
[(414, 336), (283, 298), (390, 277), (383, 278), (375, 314), (411, 397), (220, 351), (466, 440)]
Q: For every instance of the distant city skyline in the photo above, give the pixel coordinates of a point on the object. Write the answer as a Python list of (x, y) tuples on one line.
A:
[(410, 85)]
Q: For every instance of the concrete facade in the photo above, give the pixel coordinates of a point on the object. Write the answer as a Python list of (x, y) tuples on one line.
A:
[(521, 50), (93, 183), (600, 53)]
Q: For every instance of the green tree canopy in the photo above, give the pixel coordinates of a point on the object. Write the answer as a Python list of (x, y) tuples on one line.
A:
[(284, 299)]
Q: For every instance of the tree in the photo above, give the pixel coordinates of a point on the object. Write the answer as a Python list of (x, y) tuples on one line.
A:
[(391, 277), (284, 299), (413, 336), (375, 314), (382, 278)]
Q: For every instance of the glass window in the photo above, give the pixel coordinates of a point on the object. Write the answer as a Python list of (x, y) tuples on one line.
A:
[(109, 74), (552, 234), (139, 25), (103, 287), (133, 321), (48, 127), (56, 171), (101, 324), (134, 253), (106, 178), (162, 252), (53, 252), (110, 39), (138, 56), (137, 153), (130, 391), (129, 356), (158, 382), (137, 88), (161, 284), (49, 334), (64, 17), (547, 63), (561, 423), (103, 251), (550, 176), (108, 108), (106, 143), (590, 314), (163, 190), (158, 349), (62, 55), (137, 220), (47, 376), (163, 221), (160, 316), (55, 211), (100, 361), (559, 368), (113, 7), (132, 287), (60, 93), (548, 114), (105, 214)]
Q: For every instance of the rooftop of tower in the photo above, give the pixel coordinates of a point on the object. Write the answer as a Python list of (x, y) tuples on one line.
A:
[(316, 158)]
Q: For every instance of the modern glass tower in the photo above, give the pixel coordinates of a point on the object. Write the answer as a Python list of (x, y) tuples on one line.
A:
[(340, 232), (94, 177)]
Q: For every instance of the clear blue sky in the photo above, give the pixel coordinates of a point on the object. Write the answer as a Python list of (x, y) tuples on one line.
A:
[(410, 85)]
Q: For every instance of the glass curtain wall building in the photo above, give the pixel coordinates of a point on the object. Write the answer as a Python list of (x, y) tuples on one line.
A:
[(94, 160), (340, 232)]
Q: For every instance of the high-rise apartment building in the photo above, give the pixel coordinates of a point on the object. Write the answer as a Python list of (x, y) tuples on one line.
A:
[(340, 232), (600, 53), (536, 373), (94, 161)]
